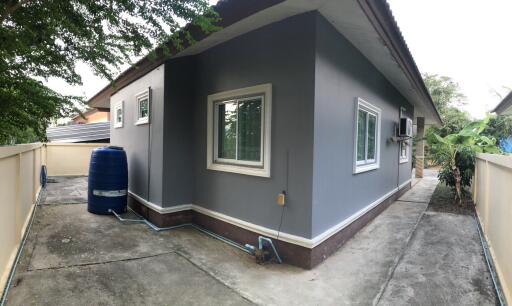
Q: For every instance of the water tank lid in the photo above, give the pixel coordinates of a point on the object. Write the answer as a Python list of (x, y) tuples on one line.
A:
[(115, 147)]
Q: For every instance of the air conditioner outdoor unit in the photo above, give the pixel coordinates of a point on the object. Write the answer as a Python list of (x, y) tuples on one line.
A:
[(405, 128)]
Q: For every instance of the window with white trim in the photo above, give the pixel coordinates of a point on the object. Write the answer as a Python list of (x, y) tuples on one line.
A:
[(239, 131), (404, 145), (367, 134), (142, 107), (404, 151), (118, 115)]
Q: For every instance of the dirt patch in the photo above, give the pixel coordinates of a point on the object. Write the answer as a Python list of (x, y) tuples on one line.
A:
[(442, 200)]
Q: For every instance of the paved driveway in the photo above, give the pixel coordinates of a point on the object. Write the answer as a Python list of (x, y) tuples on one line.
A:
[(405, 256)]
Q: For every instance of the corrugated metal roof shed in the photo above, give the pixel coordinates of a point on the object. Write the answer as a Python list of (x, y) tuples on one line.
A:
[(92, 132)]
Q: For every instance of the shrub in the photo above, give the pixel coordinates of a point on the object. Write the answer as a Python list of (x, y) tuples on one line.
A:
[(456, 155)]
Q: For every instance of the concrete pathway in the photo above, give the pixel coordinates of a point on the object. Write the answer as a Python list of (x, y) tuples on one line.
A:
[(66, 190), (442, 265), (405, 256)]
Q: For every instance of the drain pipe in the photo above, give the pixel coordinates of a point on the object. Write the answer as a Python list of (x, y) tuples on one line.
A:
[(262, 239), (20, 249), (490, 264), (142, 220)]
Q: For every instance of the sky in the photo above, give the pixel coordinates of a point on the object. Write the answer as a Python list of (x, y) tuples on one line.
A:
[(467, 40)]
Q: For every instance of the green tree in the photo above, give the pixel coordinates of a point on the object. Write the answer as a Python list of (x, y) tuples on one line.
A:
[(448, 99), (42, 39), (444, 92), (456, 155), (499, 127)]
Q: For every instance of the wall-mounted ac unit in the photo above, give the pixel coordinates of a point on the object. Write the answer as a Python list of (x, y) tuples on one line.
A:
[(405, 128)]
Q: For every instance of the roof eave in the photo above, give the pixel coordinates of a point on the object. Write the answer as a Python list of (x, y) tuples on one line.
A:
[(505, 106), (230, 12), (380, 15)]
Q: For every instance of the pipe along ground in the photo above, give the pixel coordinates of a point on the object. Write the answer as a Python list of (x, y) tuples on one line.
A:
[(249, 249)]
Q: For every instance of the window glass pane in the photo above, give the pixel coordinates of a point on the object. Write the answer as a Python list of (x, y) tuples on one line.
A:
[(119, 115), (143, 108), (403, 150), (249, 129), (361, 134), (226, 140), (372, 136)]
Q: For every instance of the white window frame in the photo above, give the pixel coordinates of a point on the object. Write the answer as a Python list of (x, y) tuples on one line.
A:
[(403, 159), (139, 97), (367, 165), (119, 105), (259, 168)]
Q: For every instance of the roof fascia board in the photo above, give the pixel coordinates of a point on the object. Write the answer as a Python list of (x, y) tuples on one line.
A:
[(380, 16)]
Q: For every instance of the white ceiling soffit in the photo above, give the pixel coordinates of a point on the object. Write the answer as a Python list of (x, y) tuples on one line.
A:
[(349, 19)]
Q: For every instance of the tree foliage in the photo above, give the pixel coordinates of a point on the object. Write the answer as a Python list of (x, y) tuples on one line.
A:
[(500, 127), (447, 98), (444, 92), (42, 39), (456, 154)]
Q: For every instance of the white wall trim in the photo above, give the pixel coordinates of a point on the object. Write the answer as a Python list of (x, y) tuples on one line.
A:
[(305, 242), (404, 184), (294, 239), (338, 227), (157, 208)]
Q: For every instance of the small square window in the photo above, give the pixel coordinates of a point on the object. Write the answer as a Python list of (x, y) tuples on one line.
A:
[(118, 115), (404, 151), (143, 107), (404, 145), (239, 131), (367, 132)]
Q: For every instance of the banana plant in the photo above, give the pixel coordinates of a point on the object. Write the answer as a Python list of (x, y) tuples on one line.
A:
[(464, 144)]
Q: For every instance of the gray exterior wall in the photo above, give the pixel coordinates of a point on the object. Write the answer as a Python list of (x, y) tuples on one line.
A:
[(143, 180), (316, 75), (343, 74), (179, 159), (281, 54)]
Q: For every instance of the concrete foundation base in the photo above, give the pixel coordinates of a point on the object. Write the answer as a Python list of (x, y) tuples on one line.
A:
[(296, 255)]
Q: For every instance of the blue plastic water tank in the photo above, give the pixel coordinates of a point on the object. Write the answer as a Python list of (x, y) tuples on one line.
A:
[(108, 181)]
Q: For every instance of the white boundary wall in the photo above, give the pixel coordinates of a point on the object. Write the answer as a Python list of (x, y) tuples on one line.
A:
[(68, 159), (20, 168), (492, 194)]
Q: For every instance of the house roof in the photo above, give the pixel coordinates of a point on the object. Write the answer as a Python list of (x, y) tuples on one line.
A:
[(79, 132), (505, 106), (368, 24), (88, 112)]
